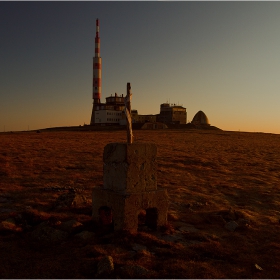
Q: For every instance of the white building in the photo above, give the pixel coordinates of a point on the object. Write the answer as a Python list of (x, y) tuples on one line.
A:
[(103, 116), (109, 112)]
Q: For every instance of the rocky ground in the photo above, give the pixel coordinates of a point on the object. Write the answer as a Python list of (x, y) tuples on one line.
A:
[(223, 218)]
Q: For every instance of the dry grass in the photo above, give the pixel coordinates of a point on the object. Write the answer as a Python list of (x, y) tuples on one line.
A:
[(232, 175)]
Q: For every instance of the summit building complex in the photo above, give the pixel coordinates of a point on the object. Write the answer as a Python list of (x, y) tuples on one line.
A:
[(111, 112)]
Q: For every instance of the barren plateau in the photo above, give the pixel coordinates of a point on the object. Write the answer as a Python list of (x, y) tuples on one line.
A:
[(223, 218)]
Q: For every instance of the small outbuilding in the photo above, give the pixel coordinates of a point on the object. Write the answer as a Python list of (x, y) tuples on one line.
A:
[(200, 119)]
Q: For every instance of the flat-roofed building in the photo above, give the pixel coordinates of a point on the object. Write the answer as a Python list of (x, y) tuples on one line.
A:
[(136, 118), (173, 114)]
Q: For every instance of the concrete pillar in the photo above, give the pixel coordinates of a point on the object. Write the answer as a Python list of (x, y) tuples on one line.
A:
[(130, 185)]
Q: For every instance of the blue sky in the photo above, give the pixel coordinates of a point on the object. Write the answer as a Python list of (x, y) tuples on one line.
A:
[(218, 57)]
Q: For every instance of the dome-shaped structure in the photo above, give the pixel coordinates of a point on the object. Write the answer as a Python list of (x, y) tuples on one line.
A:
[(200, 119)]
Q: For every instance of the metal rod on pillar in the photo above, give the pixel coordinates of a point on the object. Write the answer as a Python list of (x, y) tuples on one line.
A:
[(128, 114)]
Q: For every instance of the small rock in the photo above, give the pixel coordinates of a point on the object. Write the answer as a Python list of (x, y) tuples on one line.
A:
[(79, 201), (243, 223), (138, 247), (176, 237), (232, 225), (32, 218), (10, 225), (105, 266), (54, 221), (131, 254), (85, 235), (71, 226), (71, 199), (172, 217), (258, 267), (188, 228), (143, 254), (229, 215), (46, 234), (216, 219)]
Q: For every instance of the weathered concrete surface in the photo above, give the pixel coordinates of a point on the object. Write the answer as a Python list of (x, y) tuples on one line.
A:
[(130, 186), (130, 167), (126, 207)]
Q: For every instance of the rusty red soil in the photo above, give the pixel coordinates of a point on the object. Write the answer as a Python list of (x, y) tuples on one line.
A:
[(214, 180)]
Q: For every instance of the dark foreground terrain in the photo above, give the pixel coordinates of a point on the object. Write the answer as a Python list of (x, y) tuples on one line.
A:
[(223, 219)]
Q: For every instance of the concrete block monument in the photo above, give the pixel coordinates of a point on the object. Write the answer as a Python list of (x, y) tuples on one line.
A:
[(130, 187)]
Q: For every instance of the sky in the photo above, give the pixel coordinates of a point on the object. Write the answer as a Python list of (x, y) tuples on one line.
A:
[(219, 57)]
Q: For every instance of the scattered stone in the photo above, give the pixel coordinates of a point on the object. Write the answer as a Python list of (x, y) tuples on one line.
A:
[(232, 225), (135, 271), (258, 267), (85, 235), (243, 223), (138, 247), (54, 221), (216, 219), (180, 223), (10, 225), (198, 204), (145, 254), (71, 199), (32, 217), (229, 215), (71, 226), (46, 234), (188, 228), (105, 266), (176, 237), (172, 217), (79, 200)]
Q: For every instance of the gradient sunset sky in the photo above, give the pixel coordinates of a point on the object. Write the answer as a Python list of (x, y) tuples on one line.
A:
[(219, 57)]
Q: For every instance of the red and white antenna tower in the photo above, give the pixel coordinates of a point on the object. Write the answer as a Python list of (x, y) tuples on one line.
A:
[(97, 65)]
